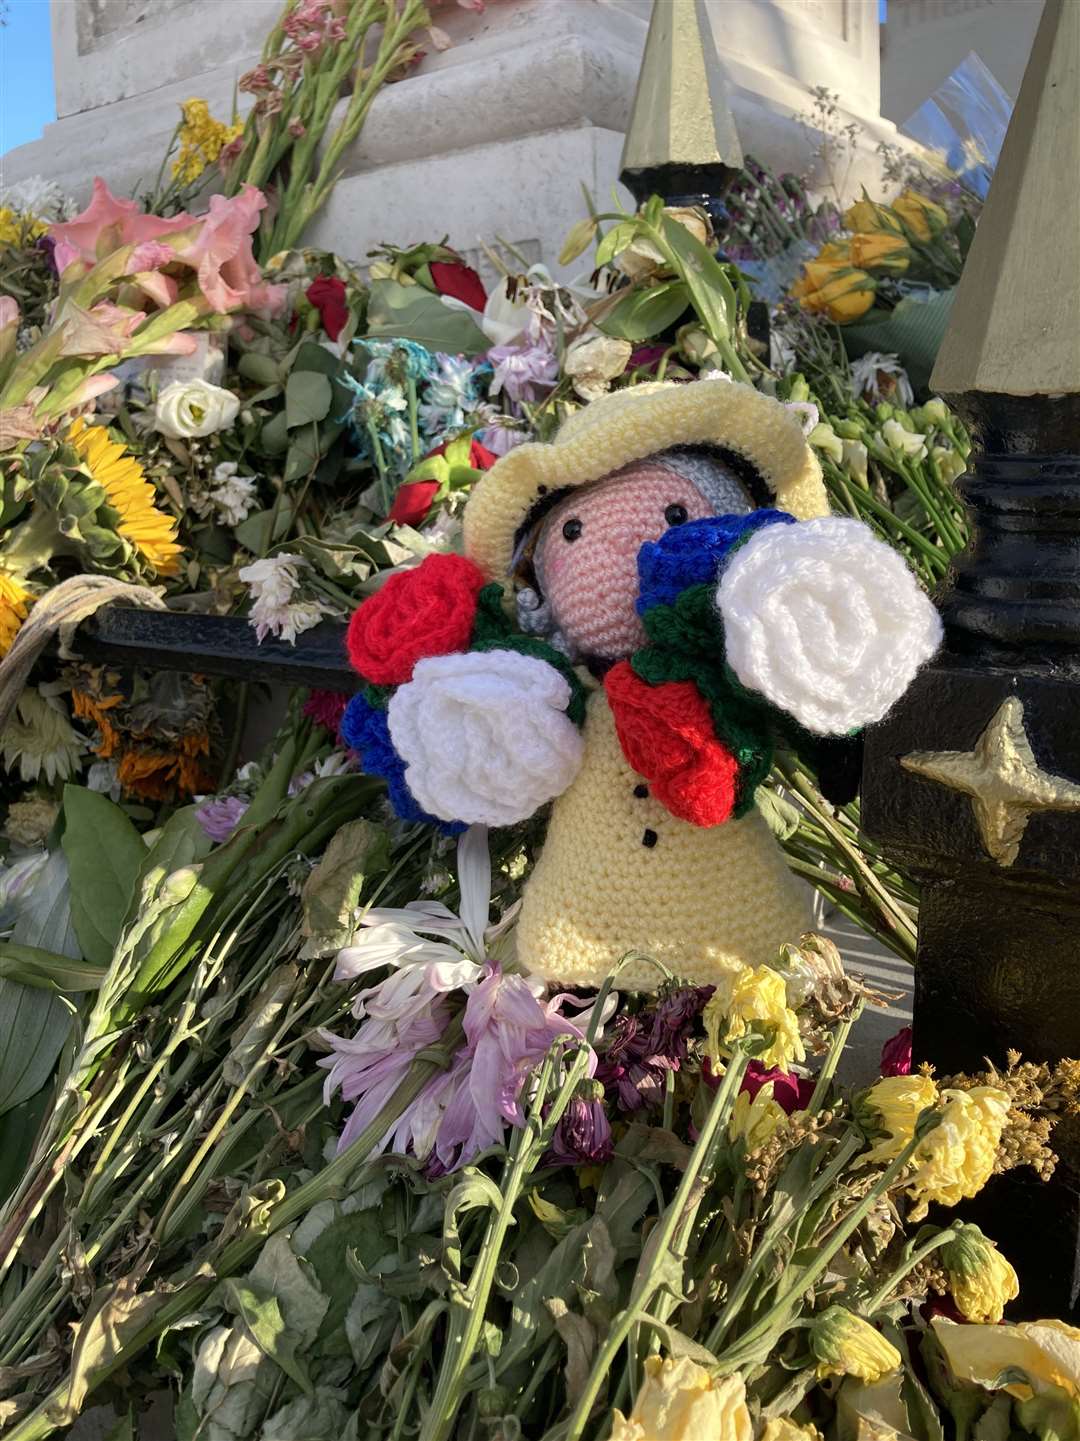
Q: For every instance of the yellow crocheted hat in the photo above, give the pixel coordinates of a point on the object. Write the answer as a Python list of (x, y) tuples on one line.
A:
[(629, 425)]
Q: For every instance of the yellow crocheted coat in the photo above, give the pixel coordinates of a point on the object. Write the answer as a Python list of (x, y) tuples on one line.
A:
[(620, 873)]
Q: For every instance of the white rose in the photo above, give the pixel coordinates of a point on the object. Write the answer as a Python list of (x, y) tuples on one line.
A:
[(485, 736), (826, 621), (188, 408)]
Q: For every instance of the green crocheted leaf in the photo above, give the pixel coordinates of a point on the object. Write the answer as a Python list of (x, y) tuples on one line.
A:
[(692, 624), (746, 732), (377, 695), (493, 630)]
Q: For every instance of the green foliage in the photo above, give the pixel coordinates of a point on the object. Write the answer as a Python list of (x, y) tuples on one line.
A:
[(105, 855)]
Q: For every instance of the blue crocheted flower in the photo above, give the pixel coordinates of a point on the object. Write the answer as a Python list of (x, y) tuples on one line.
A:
[(364, 729), (692, 554)]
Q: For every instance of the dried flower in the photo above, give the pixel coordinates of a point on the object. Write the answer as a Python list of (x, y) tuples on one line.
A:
[(29, 821), (896, 1054), (680, 1401), (583, 1135), (956, 1159), (891, 1108), (39, 739), (220, 816), (273, 582), (753, 1003), (981, 1281)]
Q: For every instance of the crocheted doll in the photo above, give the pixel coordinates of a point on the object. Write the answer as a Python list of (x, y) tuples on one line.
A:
[(684, 599)]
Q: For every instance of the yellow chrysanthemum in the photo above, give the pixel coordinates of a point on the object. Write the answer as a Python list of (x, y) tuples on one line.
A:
[(980, 1278), (846, 1345), (14, 604), (680, 1401), (202, 139), (753, 999), (782, 1428), (956, 1159), (150, 531), (895, 1104), (756, 1119)]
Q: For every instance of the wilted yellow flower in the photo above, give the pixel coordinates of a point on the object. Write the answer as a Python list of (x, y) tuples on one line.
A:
[(782, 1428), (680, 1401), (202, 139), (866, 215), (922, 217), (846, 1345), (16, 229), (150, 531), (841, 292), (881, 251), (956, 1159), (29, 821), (755, 1119), (14, 603), (746, 1000), (641, 257), (1046, 1353), (981, 1281), (896, 1103)]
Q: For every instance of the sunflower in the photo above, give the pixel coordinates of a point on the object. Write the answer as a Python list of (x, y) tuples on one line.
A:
[(14, 603), (150, 531)]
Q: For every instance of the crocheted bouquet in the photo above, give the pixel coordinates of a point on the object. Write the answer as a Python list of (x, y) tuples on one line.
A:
[(688, 602), (455, 701)]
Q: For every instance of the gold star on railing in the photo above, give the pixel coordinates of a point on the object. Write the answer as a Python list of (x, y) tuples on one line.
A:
[(1004, 780)]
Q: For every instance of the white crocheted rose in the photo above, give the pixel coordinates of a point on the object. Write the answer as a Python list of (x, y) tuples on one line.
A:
[(485, 736), (826, 621)]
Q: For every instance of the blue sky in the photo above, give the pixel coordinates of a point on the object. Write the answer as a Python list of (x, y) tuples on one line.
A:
[(27, 102)]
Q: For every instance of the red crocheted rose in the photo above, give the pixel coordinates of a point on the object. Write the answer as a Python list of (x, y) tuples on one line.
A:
[(417, 613), (327, 294), (413, 501), (667, 735), (460, 281)]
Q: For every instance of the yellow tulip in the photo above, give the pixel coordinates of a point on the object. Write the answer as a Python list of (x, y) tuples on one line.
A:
[(980, 1278), (895, 1104), (1045, 1353), (680, 1401), (921, 216), (846, 1345), (881, 251), (835, 252), (955, 1160), (865, 215)]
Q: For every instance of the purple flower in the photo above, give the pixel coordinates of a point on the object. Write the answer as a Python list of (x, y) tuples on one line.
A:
[(896, 1054), (641, 1050), (583, 1135), (524, 373), (220, 817)]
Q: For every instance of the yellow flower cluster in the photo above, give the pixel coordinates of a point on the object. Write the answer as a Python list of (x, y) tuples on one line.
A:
[(755, 1120), (839, 282), (749, 1000), (955, 1159), (680, 1401), (14, 603), (19, 229), (202, 139), (150, 531)]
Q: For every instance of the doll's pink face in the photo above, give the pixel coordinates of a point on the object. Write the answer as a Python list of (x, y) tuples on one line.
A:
[(586, 557)]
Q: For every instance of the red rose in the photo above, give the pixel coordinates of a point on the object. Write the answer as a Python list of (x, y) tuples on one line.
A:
[(417, 613), (327, 294), (667, 735), (455, 278), (480, 458), (413, 501)]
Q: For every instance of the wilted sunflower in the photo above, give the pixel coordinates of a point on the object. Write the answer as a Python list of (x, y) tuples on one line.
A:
[(150, 531), (14, 601)]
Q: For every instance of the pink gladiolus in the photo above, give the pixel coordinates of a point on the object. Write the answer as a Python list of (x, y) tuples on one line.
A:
[(90, 389), (220, 251), (106, 224), (161, 289), (103, 330), (9, 312)]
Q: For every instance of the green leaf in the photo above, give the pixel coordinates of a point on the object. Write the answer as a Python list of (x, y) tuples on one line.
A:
[(321, 1418), (331, 893), (307, 398), (124, 1429), (305, 448), (410, 312), (260, 368), (274, 436), (312, 356), (265, 1325), (707, 279), (18, 1131), (35, 1023), (615, 241), (646, 312), (255, 533), (46, 970), (279, 1273), (105, 854), (781, 816), (362, 1234)]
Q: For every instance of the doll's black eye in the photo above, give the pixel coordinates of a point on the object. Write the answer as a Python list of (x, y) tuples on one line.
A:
[(571, 529), (676, 515)]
